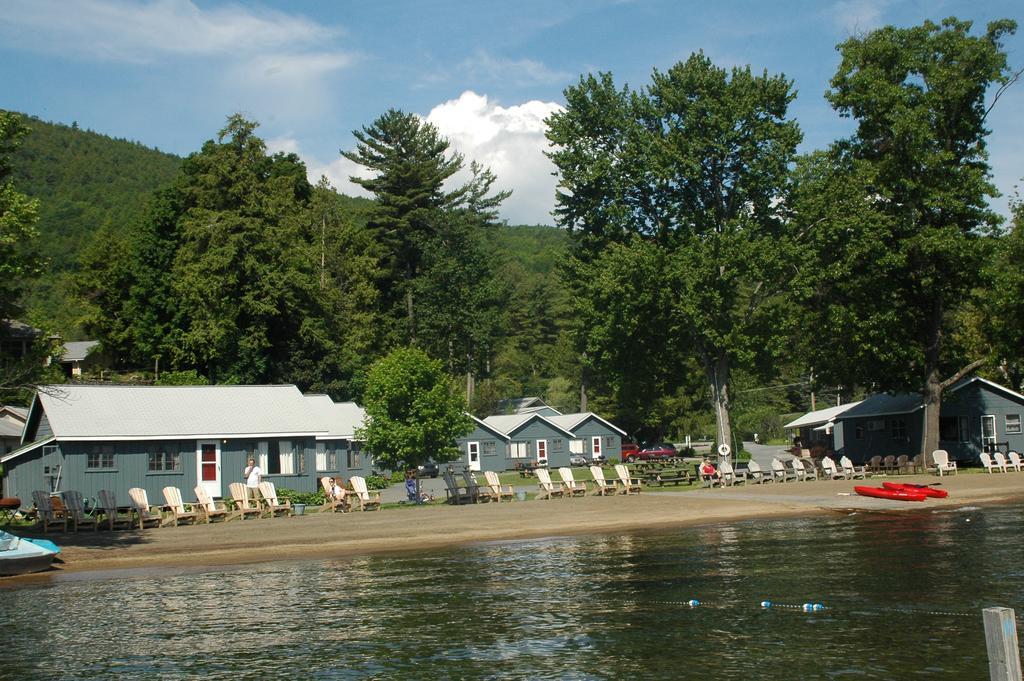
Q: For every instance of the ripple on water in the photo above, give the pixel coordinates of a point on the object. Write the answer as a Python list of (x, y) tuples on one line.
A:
[(575, 607)]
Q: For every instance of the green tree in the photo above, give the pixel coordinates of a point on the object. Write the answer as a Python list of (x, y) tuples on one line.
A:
[(682, 179), (918, 97), (413, 414), (19, 258), (413, 218), (1004, 314)]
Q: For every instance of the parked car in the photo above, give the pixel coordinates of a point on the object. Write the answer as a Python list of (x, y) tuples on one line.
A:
[(628, 449), (584, 460), (428, 470), (662, 450)]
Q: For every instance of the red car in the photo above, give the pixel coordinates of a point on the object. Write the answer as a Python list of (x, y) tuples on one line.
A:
[(629, 449), (652, 453)]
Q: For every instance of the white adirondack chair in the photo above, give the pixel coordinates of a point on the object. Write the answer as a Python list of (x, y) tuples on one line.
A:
[(1001, 461), (852, 471), (1015, 461), (803, 472), (942, 464), (244, 504), (780, 473), (756, 474), (728, 475), (832, 471), (986, 462)]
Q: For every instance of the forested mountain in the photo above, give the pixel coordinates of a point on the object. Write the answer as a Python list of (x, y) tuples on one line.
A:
[(83, 181)]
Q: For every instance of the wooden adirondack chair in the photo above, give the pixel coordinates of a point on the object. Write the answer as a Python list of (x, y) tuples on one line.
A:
[(729, 475), (456, 495), (852, 471), (602, 487), (889, 465), (575, 489), (114, 516), (244, 504), (780, 473), (547, 489), (756, 474), (1015, 461), (180, 511), (47, 515), (903, 465), (803, 472), (272, 505), (74, 508), (210, 509), (497, 491), (832, 472), (476, 492), (144, 512), (875, 464), (629, 484), (366, 500), (332, 502)]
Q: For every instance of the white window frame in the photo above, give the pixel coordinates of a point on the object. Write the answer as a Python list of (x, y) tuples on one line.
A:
[(1006, 424), (576, 446), (988, 439), (518, 449)]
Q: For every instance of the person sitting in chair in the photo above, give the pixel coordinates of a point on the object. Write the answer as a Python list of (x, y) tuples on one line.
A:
[(708, 473)]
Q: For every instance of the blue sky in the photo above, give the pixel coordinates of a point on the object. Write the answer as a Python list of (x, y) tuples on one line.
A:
[(168, 72)]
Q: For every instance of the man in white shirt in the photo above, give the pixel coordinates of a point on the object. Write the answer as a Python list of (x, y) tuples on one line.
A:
[(253, 475)]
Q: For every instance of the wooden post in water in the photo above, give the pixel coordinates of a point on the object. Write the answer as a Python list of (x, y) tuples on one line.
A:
[(1001, 641)]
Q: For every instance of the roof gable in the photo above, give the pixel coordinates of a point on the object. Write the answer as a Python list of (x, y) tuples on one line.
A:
[(990, 385), (573, 421), (339, 419), (511, 423), (884, 404)]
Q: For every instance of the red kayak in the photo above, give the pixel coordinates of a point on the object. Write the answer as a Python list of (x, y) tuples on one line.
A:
[(911, 487), (883, 493)]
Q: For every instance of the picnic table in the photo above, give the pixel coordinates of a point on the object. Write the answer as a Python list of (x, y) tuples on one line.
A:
[(668, 476)]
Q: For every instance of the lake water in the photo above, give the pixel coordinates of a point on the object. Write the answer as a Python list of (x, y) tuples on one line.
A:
[(903, 593)]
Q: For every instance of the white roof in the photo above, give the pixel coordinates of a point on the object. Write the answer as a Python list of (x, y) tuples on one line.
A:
[(510, 422), (76, 351), (121, 412), (340, 418), (571, 421), (816, 418)]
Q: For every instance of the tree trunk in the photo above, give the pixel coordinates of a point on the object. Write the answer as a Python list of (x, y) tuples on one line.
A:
[(717, 372), (583, 396), (932, 385), (470, 382)]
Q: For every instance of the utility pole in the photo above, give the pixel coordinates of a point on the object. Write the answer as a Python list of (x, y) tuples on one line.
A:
[(810, 381)]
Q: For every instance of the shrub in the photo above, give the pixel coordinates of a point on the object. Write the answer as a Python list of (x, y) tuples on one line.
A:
[(377, 482), (316, 498)]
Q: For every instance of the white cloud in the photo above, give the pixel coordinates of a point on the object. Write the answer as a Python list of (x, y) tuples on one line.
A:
[(519, 72), (144, 32), (857, 16), (508, 140)]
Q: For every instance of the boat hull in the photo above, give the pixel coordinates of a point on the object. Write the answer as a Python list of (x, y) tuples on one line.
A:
[(922, 489), (883, 493), (20, 556)]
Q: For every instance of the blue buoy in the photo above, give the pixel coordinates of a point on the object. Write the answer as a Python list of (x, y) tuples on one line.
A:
[(766, 604), (694, 603), (819, 606), (808, 607)]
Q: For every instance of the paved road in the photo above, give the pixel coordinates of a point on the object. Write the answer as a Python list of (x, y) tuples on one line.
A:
[(763, 454)]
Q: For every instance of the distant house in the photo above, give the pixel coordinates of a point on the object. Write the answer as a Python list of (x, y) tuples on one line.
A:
[(17, 338), (818, 427), (977, 415), (499, 443), (93, 437), (12, 422), (76, 357), (520, 405)]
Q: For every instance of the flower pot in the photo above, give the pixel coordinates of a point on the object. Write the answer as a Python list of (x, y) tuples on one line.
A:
[(300, 509), (521, 495)]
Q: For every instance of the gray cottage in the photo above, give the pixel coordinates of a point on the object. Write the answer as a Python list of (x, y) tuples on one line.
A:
[(977, 415), (93, 437), (499, 443)]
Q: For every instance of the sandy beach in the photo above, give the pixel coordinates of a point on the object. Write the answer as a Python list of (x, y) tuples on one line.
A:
[(330, 535)]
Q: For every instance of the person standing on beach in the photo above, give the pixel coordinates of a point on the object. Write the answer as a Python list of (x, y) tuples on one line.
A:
[(253, 475)]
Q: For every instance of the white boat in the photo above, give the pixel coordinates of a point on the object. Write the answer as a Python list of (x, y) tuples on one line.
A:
[(19, 556)]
